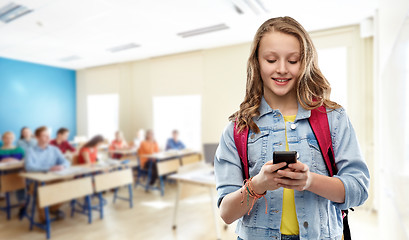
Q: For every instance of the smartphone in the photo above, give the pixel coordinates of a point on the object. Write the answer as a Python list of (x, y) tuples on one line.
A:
[(284, 156)]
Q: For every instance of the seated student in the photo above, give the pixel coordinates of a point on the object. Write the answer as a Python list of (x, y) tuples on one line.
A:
[(61, 141), (149, 146), (174, 143), (140, 135), (45, 157), (117, 144), (10, 153), (26, 140), (89, 152)]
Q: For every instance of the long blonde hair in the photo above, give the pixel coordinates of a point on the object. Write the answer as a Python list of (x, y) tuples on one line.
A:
[(312, 88)]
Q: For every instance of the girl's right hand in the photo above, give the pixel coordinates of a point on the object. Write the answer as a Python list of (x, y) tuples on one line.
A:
[(264, 180)]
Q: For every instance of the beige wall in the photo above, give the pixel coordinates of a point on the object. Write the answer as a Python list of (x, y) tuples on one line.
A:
[(218, 75)]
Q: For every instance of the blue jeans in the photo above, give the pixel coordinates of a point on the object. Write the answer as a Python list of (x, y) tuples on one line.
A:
[(283, 237)]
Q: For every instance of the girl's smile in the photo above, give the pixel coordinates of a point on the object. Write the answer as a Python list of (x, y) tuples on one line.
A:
[(281, 81)]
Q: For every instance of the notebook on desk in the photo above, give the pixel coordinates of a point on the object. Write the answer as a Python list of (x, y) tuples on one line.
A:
[(71, 171)]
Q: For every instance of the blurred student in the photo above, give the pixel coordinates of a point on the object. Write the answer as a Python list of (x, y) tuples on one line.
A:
[(174, 143), (44, 157), (140, 136), (26, 140), (11, 153), (89, 152), (61, 141), (118, 143), (149, 146)]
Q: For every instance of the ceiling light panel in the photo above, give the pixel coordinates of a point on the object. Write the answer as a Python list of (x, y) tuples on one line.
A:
[(205, 30), (12, 11), (123, 47)]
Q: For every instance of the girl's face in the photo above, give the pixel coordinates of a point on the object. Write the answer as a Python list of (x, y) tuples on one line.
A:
[(118, 136), (26, 133), (279, 59), (149, 136), (8, 139)]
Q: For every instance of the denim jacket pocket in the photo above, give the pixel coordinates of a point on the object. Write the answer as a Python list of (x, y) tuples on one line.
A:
[(318, 161), (257, 148)]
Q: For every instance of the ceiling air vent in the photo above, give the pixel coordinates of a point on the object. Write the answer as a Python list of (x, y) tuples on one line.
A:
[(12, 11), (70, 58), (204, 30), (123, 47)]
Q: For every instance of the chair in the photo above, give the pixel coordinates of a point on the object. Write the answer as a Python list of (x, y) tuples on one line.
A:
[(52, 194)]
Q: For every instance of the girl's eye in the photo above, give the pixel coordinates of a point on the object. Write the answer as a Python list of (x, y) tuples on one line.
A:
[(292, 62), (271, 61)]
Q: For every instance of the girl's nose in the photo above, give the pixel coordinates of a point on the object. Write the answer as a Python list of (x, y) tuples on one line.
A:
[(282, 68)]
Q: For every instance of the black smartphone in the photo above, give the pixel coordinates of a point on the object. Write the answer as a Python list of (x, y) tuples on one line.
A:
[(284, 156)]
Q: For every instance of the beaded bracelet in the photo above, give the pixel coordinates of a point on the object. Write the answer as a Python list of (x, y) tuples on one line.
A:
[(247, 186)]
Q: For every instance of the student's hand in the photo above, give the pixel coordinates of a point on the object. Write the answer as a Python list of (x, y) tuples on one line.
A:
[(266, 178), (57, 168), (298, 178)]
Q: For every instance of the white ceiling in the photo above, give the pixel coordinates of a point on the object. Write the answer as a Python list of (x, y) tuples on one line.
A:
[(58, 29)]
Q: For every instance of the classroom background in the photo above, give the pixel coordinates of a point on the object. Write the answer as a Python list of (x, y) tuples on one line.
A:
[(177, 70)]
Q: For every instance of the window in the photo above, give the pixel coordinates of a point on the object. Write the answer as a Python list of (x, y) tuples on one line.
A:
[(102, 115), (333, 64), (182, 113)]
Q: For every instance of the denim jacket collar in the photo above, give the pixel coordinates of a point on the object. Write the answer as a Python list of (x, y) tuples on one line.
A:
[(265, 109)]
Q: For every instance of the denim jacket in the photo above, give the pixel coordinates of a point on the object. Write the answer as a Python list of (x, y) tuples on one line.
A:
[(318, 217)]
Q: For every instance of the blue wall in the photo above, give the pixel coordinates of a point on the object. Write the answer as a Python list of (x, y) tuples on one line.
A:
[(33, 95)]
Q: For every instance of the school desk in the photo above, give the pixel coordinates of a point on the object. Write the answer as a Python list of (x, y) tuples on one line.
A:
[(130, 154), (10, 182), (76, 182), (194, 175), (167, 162)]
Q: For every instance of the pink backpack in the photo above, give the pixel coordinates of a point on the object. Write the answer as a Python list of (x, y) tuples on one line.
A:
[(320, 127)]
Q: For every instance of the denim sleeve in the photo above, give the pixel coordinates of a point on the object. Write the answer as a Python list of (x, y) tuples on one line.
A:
[(227, 165), (352, 169)]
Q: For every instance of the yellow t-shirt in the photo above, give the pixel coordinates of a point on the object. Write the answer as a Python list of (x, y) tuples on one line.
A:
[(289, 221)]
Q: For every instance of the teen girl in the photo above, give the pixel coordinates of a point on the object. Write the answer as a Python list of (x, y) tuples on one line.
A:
[(284, 84)]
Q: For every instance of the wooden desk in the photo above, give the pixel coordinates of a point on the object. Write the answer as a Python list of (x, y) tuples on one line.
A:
[(170, 154), (127, 154), (11, 166), (198, 174), (68, 175), (74, 171), (10, 182), (164, 156)]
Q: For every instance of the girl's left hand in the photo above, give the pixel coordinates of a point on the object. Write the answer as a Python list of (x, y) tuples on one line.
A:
[(298, 178)]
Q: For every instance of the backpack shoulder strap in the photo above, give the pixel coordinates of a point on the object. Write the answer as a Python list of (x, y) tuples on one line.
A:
[(240, 139), (320, 127)]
